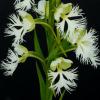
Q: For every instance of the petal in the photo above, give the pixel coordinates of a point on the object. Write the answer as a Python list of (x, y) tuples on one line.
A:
[(10, 63), (24, 5), (75, 12), (67, 83), (87, 50)]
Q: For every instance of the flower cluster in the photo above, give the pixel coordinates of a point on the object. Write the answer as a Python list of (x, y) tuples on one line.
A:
[(87, 48), (70, 27)]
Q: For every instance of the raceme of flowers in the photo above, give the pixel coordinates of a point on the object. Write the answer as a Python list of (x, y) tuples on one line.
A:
[(71, 28)]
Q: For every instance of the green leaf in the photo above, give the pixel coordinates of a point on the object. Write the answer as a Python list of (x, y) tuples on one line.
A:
[(65, 44), (50, 40), (51, 13), (41, 82), (37, 45), (49, 33), (39, 51), (53, 54), (50, 95)]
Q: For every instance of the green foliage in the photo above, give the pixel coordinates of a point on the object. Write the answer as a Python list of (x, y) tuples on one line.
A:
[(37, 45), (42, 83)]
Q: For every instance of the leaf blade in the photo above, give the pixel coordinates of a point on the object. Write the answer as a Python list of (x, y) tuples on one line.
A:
[(41, 82)]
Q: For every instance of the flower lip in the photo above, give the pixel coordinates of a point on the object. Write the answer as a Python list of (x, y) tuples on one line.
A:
[(87, 48), (65, 80)]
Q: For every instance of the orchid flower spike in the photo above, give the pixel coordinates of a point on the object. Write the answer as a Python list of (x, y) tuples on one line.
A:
[(59, 69), (20, 24), (72, 18)]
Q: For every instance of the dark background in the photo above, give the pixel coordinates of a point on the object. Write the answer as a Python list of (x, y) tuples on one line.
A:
[(23, 85)]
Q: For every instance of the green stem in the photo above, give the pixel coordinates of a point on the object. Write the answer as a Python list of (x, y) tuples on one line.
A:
[(46, 94), (71, 49), (52, 31), (45, 24), (31, 54), (58, 2), (51, 12)]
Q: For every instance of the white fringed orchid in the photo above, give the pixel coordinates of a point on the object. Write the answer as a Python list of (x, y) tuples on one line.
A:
[(19, 55), (43, 8), (87, 48), (10, 63), (69, 15), (18, 27), (66, 77), (24, 5)]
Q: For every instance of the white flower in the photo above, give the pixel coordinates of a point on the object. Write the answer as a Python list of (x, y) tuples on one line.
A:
[(42, 8), (24, 5), (19, 55), (65, 77), (61, 26), (73, 23), (87, 50), (18, 27), (62, 9), (66, 80), (15, 28), (28, 21), (10, 63), (17, 33)]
